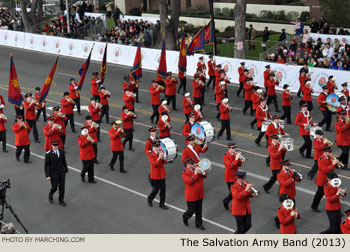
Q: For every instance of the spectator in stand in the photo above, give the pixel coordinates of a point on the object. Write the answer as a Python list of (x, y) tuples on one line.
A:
[(283, 35), (265, 38), (109, 9), (325, 29), (116, 14), (299, 29), (314, 26), (251, 37)]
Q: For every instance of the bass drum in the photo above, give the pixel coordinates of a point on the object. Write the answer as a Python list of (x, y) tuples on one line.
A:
[(169, 148), (203, 131), (332, 102)]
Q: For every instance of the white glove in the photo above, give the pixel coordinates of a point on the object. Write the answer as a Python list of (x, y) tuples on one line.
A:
[(2, 106), (76, 87)]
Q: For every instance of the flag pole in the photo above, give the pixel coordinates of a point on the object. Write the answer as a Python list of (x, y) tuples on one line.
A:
[(211, 7)]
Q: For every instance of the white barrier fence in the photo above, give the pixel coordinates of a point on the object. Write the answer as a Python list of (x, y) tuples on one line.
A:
[(324, 37), (124, 55)]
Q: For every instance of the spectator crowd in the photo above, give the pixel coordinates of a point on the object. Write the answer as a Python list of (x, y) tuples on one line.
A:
[(10, 21)]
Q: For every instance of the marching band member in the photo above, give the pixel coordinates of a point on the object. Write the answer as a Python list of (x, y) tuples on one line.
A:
[(327, 114), (21, 130), (287, 216), (40, 107), (116, 133), (342, 126), (274, 129), (345, 225), (74, 94), (223, 80), (198, 113), (192, 150), (287, 104), (344, 105), (197, 86), (276, 152), (248, 91), (87, 155), (232, 161), (52, 132), (186, 130), (94, 110), (271, 92), (67, 109), (287, 178), (95, 81), (211, 71), (92, 130), (217, 74), (164, 126), (194, 192), (225, 109), (256, 102), (201, 65), (345, 90), (262, 114), (60, 119), (170, 91), (240, 208), (155, 91), (104, 95), (182, 77), (188, 104), (326, 163), (127, 84), (157, 175), (127, 118), (164, 108), (134, 86), (304, 121), (152, 138), (129, 99), (307, 91), (302, 80), (319, 144), (2, 104), (3, 120), (220, 93), (331, 84), (266, 78), (333, 205), (30, 117), (241, 77)]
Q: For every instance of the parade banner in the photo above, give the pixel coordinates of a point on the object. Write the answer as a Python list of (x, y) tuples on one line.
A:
[(12, 38)]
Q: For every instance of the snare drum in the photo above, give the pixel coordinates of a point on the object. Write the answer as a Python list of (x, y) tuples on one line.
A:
[(203, 131), (288, 142), (169, 148), (205, 165), (265, 124), (282, 123), (313, 131)]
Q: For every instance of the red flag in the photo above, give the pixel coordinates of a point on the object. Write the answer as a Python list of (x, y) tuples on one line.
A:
[(46, 87), (15, 96), (162, 70), (204, 37), (182, 57), (82, 71), (136, 71), (103, 66)]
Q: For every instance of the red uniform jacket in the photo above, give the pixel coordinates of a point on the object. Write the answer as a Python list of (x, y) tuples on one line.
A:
[(211, 68), (196, 89), (342, 132), (320, 99), (276, 156), (287, 221), (255, 100), (331, 87), (219, 94), (67, 107), (333, 201), (164, 108), (186, 130), (94, 86), (271, 84), (241, 74), (86, 148), (286, 99), (302, 80), (301, 119), (164, 131), (197, 118), (116, 142), (187, 105), (155, 95), (325, 165), (287, 183), (94, 112), (170, 86), (266, 77), (248, 91), (157, 166), (30, 111), (261, 113), (188, 153), (202, 66), (217, 75), (21, 134), (231, 166), (194, 185), (149, 145), (92, 132), (224, 112), (104, 98), (240, 199), (129, 101), (2, 102), (2, 124), (127, 85), (74, 94), (345, 226), (345, 92), (271, 129), (61, 121), (50, 135), (318, 145), (307, 93), (127, 121), (42, 104), (181, 75)]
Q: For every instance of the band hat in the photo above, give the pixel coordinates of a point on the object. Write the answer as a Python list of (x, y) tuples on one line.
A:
[(191, 115), (88, 117), (232, 145), (319, 132), (303, 104), (187, 94), (37, 88), (341, 98), (256, 87), (154, 81), (71, 79), (267, 66), (283, 197), (196, 77), (28, 95), (55, 142), (190, 138), (51, 118), (225, 100), (65, 93), (262, 99), (156, 143), (285, 162), (240, 174), (19, 117), (190, 161), (285, 86), (56, 108), (164, 102), (152, 129), (102, 87), (330, 77), (126, 77), (347, 212), (169, 73), (275, 117), (95, 73), (163, 113), (92, 99), (274, 136), (126, 89), (325, 87), (327, 149), (210, 56), (125, 107), (201, 57), (84, 127), (219, 65), (344, 84), (245, 70), (331, 175), (242, 63)]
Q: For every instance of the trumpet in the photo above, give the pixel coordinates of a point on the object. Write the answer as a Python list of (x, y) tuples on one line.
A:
[(107, 92), (2, 116), (173, 79), (338, 165), (328, 142), (61, 115), (98, 105), (55, 125), (252, 190), (243, 159), (95, 125), (201, 83), (160, 87), (121, 132), (298, 174), (71, 101), (168, 125), (89, 138), (131, 113), (24, 126)]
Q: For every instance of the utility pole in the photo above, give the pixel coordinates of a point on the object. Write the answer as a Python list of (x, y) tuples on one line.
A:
[(67, 15)]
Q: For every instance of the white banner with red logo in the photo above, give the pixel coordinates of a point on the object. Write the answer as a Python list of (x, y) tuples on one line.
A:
[(324, 37), (12, 38)]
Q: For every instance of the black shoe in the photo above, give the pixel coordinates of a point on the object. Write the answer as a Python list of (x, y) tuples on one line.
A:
[(37, 141), (50, 199), (277, 223), (149, 202), (74, 131), (4, 150), (96, 162), (315, 210), (229, 139), (309, 177), (225, 205), (185, 221), (243, 112), (123, 171), (277, 110), (82, 179), (302, 154), (219, 136), (329, 130), (17, 158), (164, 207), (111, 166), (252, 125), (93, 181), (201, 227), (63, 204), (258, 144), (79, 113), (266, 190), (27, 162), (131, 149)]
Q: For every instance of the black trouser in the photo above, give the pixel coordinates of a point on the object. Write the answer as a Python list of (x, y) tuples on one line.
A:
[(261, 134), (244, 223), (203, 93), (136, 91), (155, 113), (248, 104), (334, 218), (172, 99), (95, 150), (317, 198), (128, 137), (158, 185), (225, 125), (266, 88), (197, 101), (344, 156), (229, 196), (60, 183), (26, 152), (240, 89), (327, 118), (88, 167), (211, 79), (287, 113), (3, 139), (32, 124), (71, 121), (38, 112), (194, 207), (97, 98), (98, 130), (105, 111), (272, 98), (187, 117), (307, 145), (299, 92), (121, 159), (313, 170), (63, 139), (19, 112), (182, 85), (77, 103), (310, 106), (218, 108), (272, 180)]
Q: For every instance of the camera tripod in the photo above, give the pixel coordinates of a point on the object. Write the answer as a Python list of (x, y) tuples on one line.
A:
[(4, 204)]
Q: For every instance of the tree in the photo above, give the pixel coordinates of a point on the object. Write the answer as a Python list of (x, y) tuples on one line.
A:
[(335, 12), (169, 26), (239, 13), (32, 17)]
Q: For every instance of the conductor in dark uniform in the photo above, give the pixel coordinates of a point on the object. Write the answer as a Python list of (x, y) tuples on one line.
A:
[(55, 171)]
